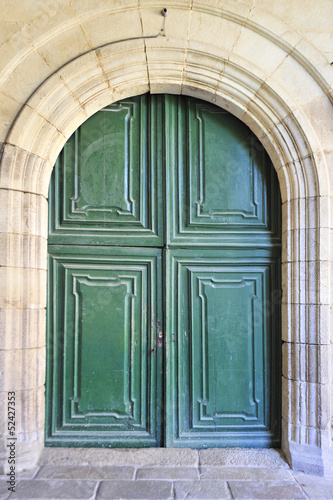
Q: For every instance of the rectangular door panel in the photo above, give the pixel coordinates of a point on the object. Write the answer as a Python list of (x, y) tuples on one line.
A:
[(105, 186), (220, 335), (107, 385), (218, 185)]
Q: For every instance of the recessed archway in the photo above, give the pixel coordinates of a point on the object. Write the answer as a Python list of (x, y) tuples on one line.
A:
[(120, 69)]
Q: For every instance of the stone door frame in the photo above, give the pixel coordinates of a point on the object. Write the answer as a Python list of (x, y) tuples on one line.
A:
[(118, 70)]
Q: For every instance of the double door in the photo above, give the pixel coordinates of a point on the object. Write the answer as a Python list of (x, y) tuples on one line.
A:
[(163, 281)]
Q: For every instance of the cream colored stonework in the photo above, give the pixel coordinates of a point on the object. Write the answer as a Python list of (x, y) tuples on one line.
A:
[(268, 63)]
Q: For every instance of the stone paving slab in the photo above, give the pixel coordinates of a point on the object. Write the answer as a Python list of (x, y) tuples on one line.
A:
[(22, 474), (267, 490), (4, 493), (315, 487), (201, 490), (146, 490), (170, 473), (86, 472), (160, 474), (244, 473), (58, 489), (27, 474), (173, 457), (240, 457)]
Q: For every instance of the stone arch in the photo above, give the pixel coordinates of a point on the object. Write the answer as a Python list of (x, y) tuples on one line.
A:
[(155, 63)]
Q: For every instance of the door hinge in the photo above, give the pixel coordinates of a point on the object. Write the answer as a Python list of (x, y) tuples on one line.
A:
[(173, 337)]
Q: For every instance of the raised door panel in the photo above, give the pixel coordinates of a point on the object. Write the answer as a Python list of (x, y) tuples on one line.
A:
[(221, 336), (220, 184), (105, 187), (104, 361)]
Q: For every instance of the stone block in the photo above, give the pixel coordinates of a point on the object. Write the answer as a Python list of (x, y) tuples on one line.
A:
[(210, 30), (264, 17), (266, 489), (304, 213), (22, 79), (306, 323), (47, 136), (83, 7), (308, 404), (318, 46), (242, 86), (40, 20), (23, 213), (165, 87), (147, 490), (123, 64), (201, 490), (241, 457), (22, 288), (29, 446), (320, 114), (98, 85), (315, 486), (283, 171), (270, 55), (119, 24), (29, 416), (174, 26), (22, 369), (170, 473), (18, 250), (22, 328), (56, 104), (306, 282), (168, 457), (327, 172), (187, 88), (27, 473), (244, 473), (27, 128), (4, 493), (86, 472), (307, 362), (9, 109), (307, 244), (304, 87), (304, 453), (24, 171), (61, 49), (56, 489), (75, 73), (165, 57), (67, 117)]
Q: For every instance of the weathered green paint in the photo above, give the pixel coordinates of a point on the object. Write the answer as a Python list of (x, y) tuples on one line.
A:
[(107, 187), (163, 310), (222, 188), (104, 357), (222, 377)]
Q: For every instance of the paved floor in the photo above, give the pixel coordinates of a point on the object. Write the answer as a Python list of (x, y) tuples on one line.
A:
[(165, 474)]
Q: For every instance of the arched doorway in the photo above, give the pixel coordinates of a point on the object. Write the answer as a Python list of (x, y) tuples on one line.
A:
[(164, 281)]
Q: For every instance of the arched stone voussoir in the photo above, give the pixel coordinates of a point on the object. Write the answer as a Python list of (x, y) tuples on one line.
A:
[(262, 100), (111, 72)]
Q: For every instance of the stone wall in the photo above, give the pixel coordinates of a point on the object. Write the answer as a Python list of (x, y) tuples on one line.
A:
[(269, 63)]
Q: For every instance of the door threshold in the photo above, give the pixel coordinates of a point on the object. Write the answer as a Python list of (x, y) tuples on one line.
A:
[(168, 457)]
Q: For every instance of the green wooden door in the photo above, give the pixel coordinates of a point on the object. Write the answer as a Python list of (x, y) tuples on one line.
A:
[(164, 281)]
